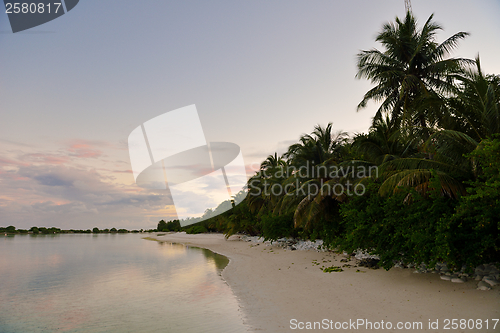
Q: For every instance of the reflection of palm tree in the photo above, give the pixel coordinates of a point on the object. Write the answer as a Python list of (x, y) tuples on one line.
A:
[(413, 67)]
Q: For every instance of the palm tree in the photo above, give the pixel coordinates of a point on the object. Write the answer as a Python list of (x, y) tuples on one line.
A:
[(273, 171), (283, 185), (315, 154), (477, 103), (384, 142), (272, 161), (474, 116), (318, 147), (411, 72)]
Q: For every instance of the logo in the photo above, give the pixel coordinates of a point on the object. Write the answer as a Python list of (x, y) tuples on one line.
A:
[(170, 152), (26, 14)]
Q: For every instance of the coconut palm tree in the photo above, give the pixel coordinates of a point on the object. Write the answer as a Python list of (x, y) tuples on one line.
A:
[(385, 141), (261, 197), (474, 116), (476, 105), (412, 70), (315, 155), (318, 147), (272, 161)]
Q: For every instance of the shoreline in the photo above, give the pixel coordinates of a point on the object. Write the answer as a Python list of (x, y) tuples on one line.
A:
[(274, 286)]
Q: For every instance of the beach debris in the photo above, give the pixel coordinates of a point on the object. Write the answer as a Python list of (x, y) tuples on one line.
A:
[(332, 269), (487, 274), (459, 279), (483, 286), (288, 243), (363, 254), (369, 263), (491, 280)]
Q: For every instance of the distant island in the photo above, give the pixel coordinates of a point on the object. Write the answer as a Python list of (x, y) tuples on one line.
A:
[(53, 230), (162, 227)]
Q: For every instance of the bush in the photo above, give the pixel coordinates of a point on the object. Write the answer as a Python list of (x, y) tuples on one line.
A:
[(277, 226), (196, 229), (472, 235), (393, 228)]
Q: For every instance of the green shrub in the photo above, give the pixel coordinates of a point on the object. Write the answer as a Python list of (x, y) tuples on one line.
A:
[(196, 229), (395, 228), (277, 226), (472, 235)]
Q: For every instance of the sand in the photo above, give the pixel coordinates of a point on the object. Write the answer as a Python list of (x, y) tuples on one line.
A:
[(280, 290)]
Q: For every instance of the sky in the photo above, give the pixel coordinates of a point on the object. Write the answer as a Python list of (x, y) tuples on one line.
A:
[(261, 73)]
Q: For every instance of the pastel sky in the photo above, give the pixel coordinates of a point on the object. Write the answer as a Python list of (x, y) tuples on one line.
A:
[(261, 73)]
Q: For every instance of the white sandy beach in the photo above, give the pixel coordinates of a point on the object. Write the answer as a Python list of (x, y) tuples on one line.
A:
[(275, 286)]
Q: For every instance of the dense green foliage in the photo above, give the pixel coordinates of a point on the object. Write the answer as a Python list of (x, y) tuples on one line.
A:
[(395, 229), (472, 234), (421, 186), (169, 226)]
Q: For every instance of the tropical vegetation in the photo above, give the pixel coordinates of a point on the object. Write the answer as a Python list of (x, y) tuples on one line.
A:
[(430, 186)]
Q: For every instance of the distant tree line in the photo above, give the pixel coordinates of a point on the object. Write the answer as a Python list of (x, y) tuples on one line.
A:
[(53, 230), (175, 225)]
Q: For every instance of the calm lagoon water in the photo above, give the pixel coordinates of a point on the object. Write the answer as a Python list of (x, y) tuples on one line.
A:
[(112, 283)]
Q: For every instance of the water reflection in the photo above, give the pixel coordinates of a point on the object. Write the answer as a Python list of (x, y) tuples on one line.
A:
[(173, 249), (112, 283)]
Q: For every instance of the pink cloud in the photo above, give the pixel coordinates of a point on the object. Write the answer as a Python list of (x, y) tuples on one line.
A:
[(84, 150)]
